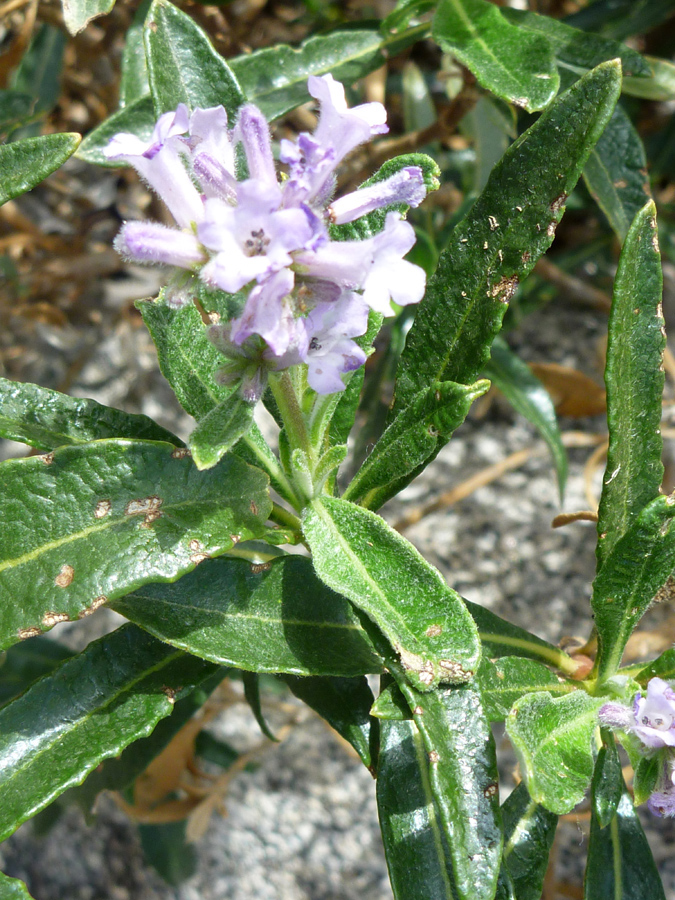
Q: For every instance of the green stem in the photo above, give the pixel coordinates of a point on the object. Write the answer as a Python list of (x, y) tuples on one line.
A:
[(283, 517), (294, 421)]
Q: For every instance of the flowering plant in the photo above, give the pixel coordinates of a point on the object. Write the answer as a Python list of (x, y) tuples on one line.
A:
[(251, 551)]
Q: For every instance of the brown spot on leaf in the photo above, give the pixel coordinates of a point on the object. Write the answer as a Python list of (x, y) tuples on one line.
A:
[(504, 289), (142, 507), (170, 693), (51, 618), (47, 458), (418, 711), (434, 757), (491, 790), (254, 508), (180, 453), (453, 671), (260, 567), (99, 601), (103, 508), (433, 631), (25, 633), (558, 203), (65, 576), (621, 183)]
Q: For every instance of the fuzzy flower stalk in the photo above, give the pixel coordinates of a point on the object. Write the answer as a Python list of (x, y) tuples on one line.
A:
[(651, 720), (266, 237)]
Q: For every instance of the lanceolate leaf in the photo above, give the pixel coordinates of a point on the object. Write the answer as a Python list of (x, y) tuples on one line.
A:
[(607, 785), (464, 781), (414, 844), (412, 441), (84, 712), (552, 737), (134, 82), (273, 617), (578, 50), (529, 830), (137, 118), (24, 663), (78, 13), (357, 554), (662, 667), (504, 681), (345, 704), (638, 565), (86, 524), (25, 163), (516, 65), (616, 173), (634, 377), (502, 236), (46, 419), (183, 67), (620, 863), (275, 79), (529, 397), (13, 889)]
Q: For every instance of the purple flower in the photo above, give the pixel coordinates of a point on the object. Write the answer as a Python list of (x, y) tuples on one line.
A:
[(652, 718), (149, 242), (406, 186)]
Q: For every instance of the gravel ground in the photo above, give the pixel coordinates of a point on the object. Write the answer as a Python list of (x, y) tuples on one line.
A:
[(303, 825)]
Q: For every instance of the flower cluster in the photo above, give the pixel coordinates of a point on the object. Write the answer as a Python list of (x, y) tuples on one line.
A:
[(307, 296), (652, 721)]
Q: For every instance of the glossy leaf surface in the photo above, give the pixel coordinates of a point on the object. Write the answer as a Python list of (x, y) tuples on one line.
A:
[(607, 785), (464, 782), (27, 162), (24, 663), (88, 709), (620, 863), (137, 118), (529, 830), (528, 396), (504, 681), (645, 777), (616, 173), (78, 13), (87, 524), (357, 554), (638, 565), (134, 82), (662, 667), (515, 65), (552, 737), (220, 430), (500, 239), (345, 704), (275, 79), (414, 844), (634, 377), (183, 67), (47, 419), (276, 617), (411, 441), (13, 889)]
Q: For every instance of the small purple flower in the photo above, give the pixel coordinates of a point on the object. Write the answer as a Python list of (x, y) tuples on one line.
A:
[(149, 242), (406, 186), (655, 715)]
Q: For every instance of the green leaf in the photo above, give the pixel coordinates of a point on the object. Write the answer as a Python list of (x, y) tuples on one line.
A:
[(529, 830), (414, 844), (48, 419), (26, 163), (183, 67), (616, 173), (660, 85), (634, 377), (357, 554), (13, 889), (577, 50), (87, 710), (345, 704), (273, 617), (514, 64), (77, 14), (137, 118), (412, 440), (506, 680), (607, 784), (553, 740), (662, 667), (220, 430), (167, 851), (502, 236), (528, 396), (39, 73), (491, 126), (15, 109), (119, 772), (646, 775), (275, 79), (403, 12), (24, 663), (637, 566), (134, 82), (186, 357), (252, 693), (620, 19), (501, 638), (86, 524), (419, 110), (620, 863), (464, 782), (391, 704)]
